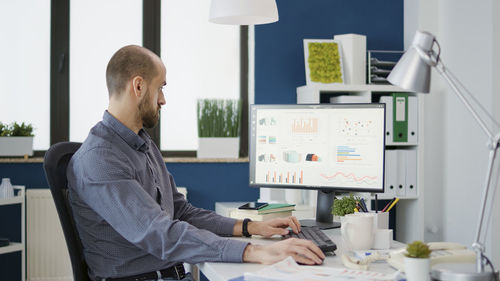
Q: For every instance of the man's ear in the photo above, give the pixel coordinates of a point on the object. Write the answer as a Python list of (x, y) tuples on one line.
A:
[(138, 86)]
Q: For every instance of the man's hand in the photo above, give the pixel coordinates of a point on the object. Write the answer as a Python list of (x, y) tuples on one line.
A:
[(302, 251), (272, 227), (269, 228)]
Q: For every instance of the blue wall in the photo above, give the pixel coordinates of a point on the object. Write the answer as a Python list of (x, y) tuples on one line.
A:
[(206, 182), (279, 69), (279, 52)]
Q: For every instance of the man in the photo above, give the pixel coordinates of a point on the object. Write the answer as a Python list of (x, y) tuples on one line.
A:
[(132, 222)]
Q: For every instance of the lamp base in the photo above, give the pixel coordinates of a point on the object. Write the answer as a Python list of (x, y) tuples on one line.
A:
[(460, 272)]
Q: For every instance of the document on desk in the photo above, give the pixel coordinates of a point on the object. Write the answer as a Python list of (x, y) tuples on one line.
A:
[(288, 269)]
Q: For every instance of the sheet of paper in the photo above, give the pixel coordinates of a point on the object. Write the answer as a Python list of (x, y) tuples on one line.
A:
[(289, 270)]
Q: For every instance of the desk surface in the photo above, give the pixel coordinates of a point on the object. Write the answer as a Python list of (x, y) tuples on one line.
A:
[(217, 271)]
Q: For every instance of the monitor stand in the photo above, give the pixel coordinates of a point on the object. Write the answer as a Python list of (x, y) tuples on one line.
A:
[(324, 216)]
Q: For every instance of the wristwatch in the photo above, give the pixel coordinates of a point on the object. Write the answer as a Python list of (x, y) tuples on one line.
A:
[(244, 230)]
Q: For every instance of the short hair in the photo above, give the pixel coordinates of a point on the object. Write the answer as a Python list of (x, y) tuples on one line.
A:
[(126, 63)]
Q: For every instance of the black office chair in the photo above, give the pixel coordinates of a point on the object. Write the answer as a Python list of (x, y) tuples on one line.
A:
[(55, 162)]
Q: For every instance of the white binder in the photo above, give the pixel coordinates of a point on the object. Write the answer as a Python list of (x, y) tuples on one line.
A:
[(412, 120), (390, 173), (388, 119), (411, 173), (401, 173)]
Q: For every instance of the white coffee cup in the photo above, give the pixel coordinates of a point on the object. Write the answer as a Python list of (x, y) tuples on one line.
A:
[(358, 231)]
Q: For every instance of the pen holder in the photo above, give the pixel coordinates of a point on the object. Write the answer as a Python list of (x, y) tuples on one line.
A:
[(381, 219)]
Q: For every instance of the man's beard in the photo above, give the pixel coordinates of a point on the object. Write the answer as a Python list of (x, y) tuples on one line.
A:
[(148, 115)]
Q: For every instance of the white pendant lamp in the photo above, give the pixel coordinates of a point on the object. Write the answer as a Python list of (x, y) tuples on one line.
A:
[(243, 12)]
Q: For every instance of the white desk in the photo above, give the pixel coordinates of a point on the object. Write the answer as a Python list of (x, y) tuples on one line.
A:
[(217, 271)]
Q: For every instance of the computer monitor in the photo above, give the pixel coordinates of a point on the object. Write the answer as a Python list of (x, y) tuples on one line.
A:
[(326, 147)]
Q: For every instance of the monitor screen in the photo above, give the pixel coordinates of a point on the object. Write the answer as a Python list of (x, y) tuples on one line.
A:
[(329, 147)]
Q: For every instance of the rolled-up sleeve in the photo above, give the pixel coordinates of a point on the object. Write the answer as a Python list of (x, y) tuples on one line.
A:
[(107, 184)]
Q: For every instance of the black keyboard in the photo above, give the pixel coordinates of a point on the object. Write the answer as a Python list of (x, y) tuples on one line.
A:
[(314, 234)]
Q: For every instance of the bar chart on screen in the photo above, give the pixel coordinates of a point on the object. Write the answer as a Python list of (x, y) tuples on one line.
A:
[(305, 126)]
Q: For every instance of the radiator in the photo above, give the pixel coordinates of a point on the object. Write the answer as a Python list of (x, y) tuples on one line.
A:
[(47, 254)]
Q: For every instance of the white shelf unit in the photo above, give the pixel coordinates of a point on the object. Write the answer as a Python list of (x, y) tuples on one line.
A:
[(311, 94), (17, 246), (409, 214)]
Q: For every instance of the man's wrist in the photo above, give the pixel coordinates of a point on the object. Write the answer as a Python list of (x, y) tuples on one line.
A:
[(244, 228), (249, 254), (252, 227)]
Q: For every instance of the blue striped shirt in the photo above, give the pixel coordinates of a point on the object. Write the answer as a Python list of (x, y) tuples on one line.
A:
[(128, 213)]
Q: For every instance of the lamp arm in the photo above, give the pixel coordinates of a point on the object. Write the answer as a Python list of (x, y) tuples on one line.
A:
[(494, 144), (477, 246)]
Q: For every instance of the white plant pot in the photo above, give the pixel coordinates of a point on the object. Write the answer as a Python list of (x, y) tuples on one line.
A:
[(16, 146), (218, 147), (417, 269)]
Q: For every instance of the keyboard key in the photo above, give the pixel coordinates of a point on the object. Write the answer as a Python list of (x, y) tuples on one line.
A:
[(315, 235)]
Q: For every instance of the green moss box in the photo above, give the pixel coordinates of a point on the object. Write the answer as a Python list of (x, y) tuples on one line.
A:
[(323, 61)]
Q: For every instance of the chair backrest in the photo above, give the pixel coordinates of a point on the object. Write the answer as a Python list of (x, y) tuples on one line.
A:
[(55, 163)]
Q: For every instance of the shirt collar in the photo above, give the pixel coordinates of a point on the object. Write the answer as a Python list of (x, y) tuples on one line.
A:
[(132, 139)]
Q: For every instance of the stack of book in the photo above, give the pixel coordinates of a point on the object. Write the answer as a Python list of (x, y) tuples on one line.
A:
[(271, 211)]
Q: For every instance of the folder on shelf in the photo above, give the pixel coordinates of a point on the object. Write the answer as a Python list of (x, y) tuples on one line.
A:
[(388, 118), (390, 173), (411, 173), (412, 120), (401, 173), (400, 117)]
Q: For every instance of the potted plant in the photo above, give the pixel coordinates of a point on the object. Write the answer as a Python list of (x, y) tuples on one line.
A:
[(417, 262), (218, 128), (344, 205), (16, 139)]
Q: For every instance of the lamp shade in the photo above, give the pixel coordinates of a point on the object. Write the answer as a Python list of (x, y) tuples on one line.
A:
[(413, 70), (243, 12)]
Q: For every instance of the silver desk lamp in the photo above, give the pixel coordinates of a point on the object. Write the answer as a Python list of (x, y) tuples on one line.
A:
[(412, 72)]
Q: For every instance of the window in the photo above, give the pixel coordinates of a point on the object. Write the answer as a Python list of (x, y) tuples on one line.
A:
[(25, 57), (202, 60), (97, 30)]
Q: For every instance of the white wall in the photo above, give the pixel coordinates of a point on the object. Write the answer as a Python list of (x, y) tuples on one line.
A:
[(470, 45), (424, 15), (455, 156)]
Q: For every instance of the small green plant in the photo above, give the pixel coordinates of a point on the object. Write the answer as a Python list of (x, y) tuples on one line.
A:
[(418, 249), (345, 205), (4, 130), (16, 130), (218, 118)]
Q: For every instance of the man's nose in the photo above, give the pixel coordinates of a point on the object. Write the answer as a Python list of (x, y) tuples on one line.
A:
[(161, 99)]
